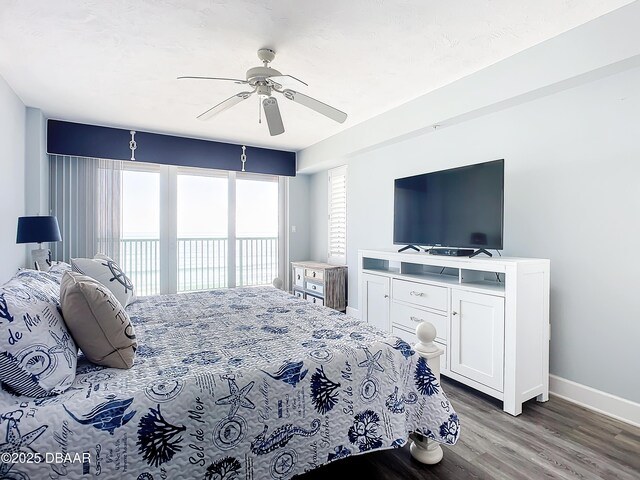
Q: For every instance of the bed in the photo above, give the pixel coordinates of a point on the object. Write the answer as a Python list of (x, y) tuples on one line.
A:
[(247, 383)]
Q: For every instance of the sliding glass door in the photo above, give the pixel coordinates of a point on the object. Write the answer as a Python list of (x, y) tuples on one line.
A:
[(256, 230), (190, 229), (140, 237), (202, 219)]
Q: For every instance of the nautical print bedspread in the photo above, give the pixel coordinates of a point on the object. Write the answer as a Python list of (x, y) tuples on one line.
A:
[(248, 383)]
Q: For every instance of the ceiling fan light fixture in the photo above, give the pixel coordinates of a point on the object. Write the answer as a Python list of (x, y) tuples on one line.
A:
[(264, 90)]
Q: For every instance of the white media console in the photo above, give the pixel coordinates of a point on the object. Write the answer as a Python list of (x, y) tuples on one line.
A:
[(491, 316)]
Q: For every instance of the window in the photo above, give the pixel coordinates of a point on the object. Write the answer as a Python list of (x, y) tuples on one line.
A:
[(256, 229), (202, 221), (140, 236), (172, 229), (187, 229), (337, 208)]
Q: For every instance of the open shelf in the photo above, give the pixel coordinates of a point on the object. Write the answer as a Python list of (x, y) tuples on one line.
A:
[(435, 271)]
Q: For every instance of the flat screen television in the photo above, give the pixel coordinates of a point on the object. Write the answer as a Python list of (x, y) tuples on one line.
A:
[(460, 207)]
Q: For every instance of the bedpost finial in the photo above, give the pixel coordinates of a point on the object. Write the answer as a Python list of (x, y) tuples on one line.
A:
[(426, 332)]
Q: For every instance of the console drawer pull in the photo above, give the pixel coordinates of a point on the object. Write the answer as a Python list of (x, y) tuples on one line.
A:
[(416, 319), (417, 294)]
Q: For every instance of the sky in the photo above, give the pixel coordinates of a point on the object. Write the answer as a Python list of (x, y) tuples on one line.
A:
[(202, 206)]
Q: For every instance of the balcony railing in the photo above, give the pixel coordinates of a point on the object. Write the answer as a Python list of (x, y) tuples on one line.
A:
[(140, 260), (256, 261), (202, 263)]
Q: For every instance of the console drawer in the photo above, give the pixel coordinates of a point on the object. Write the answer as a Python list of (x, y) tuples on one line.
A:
[(317, 288), (429, 296), (298, 293), (409, 318)]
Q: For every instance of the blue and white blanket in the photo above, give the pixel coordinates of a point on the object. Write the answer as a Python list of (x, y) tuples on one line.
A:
[(248, 383)]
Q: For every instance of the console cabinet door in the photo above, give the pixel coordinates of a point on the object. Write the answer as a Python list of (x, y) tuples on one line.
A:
[(476, 344), (375, 311)]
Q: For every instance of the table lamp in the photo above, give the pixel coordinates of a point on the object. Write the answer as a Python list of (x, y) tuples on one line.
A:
[(38, 230)]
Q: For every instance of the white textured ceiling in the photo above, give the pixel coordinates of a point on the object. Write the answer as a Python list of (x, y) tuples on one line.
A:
[(115, 62)]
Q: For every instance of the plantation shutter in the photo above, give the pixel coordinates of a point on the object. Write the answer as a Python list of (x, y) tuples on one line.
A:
[(337, 195)]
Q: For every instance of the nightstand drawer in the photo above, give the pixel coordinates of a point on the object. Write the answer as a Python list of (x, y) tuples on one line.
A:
[(429, 296), (313, 273), (298, 293), (316, 300), (409, 318), (316, 288), (298, 277)]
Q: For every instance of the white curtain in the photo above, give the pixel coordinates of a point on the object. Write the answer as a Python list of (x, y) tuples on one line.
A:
[(86, 197)]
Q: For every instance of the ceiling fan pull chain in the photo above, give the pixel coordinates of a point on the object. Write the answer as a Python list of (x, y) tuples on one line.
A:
[(259, 110), (243, 157), (133, 145)]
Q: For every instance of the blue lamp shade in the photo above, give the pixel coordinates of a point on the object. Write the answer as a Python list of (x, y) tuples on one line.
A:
[(38, 230)]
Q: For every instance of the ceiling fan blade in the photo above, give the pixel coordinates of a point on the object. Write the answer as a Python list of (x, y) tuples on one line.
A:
[(222, 106), (287, 80), (272, 114), (317, 105), (234, 80)]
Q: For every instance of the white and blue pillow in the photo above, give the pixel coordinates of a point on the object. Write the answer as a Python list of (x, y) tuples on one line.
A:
[(107, 272), (58, 269), (37, 353)]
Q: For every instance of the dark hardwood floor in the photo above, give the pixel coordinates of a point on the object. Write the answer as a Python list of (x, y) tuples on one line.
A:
[(556, 439)]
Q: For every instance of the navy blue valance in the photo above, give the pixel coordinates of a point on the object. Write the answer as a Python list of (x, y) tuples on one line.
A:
[(80, 140)]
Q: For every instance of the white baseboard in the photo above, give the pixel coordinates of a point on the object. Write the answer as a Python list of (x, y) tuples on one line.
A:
[(596, 400), (353, 312)]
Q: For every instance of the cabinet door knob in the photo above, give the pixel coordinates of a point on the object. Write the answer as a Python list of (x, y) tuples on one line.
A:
[(454, 313), (298, 277), (386, 296)]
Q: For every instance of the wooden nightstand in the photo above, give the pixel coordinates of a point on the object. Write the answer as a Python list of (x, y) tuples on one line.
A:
[(320, 283)]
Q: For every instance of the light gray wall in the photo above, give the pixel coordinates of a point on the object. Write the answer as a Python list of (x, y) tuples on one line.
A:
[(12, 179), (572, 194), (318, 228), (299, 218), (37, 164)]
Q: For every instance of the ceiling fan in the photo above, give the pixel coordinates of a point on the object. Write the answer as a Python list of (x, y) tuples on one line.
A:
[(264, 81)]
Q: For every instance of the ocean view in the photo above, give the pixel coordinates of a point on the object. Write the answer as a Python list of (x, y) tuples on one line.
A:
[(202, 263)]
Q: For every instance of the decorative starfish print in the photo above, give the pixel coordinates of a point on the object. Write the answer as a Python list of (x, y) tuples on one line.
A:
[(20, 443), (372, 362), (237, 397), (62, 346)]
